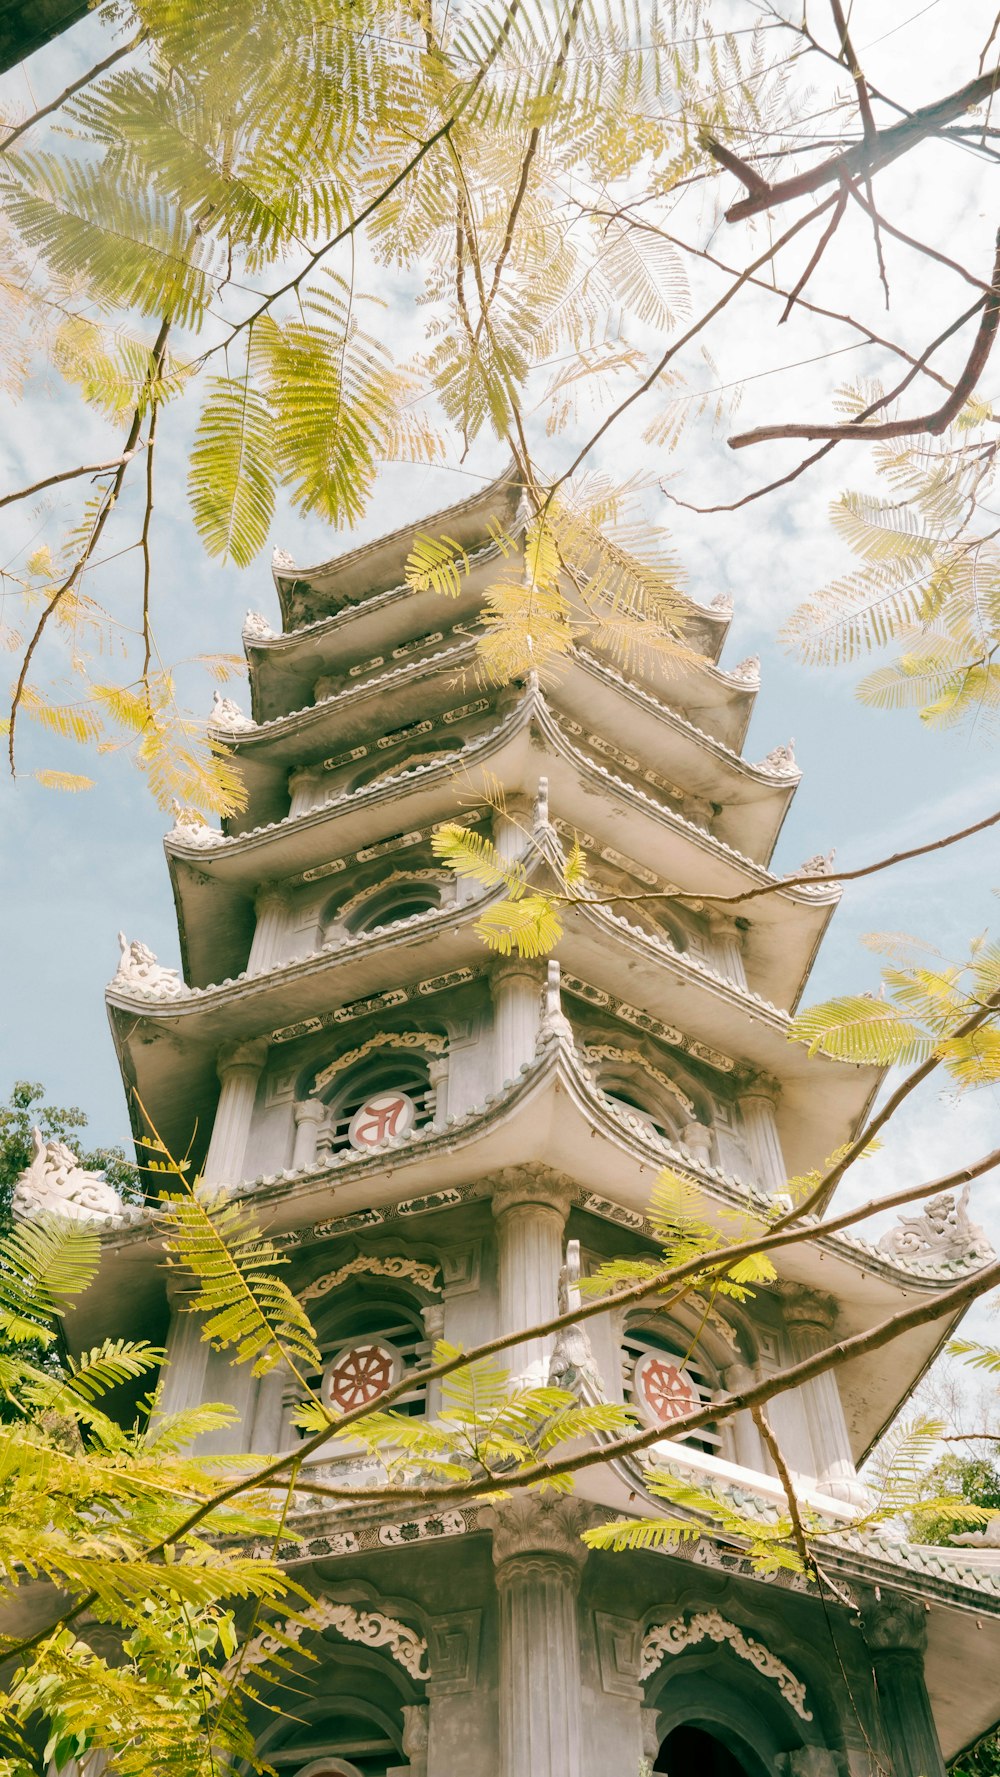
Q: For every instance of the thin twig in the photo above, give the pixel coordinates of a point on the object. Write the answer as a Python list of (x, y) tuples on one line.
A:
[(111, 496), (820, 248), (37, 487), (935, 422), (147, 519), (74, 87), (781, 1469)]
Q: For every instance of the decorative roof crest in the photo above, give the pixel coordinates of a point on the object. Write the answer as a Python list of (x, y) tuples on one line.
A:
[(226, 713), (942, 1234), (256, 627), (138, 968), (54, 1183)]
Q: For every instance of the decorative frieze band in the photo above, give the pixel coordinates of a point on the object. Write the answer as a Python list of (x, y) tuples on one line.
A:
[(667, 1033), (393, 1265)]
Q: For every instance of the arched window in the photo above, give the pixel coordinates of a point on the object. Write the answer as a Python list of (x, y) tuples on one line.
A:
[(370, 1338), (421, 753), (629, 1092), (399, 900), (665, 1376), (386, 1096)]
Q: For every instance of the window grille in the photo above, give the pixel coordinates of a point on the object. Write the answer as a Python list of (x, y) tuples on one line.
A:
[(369, 1350), (664, 1378)]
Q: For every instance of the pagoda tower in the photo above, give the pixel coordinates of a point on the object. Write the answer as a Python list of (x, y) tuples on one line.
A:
[(443, 1140)]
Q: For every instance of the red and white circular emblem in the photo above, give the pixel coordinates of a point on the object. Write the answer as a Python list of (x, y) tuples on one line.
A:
[(359, 1374), (662, 1388), (382, 1115)]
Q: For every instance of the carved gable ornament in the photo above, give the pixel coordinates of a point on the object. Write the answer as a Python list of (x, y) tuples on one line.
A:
[(664, 1639), (56, 1184), (941, 1237)]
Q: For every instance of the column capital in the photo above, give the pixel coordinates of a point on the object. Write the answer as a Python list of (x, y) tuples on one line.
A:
[(271, 894), (309, 1110), (805, 1307), (894, 1623), (752, 1085), (251, 1055), (538, 1186), (528, 1525), (517, 968)]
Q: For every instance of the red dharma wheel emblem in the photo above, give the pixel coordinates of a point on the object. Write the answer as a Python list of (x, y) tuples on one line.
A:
[(382, 1115), (663, 1389), (359, 1374)]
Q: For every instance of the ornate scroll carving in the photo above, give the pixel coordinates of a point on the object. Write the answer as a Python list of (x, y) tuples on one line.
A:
[(54, 1183), (942, 1232), (393, 1265), (371, 1627), (614, 1052), (138, 968), (673, 1637), (387, 1039)]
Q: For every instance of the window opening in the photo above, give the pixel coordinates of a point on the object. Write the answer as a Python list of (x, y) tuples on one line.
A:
[(691, 1752), (664, 1380)]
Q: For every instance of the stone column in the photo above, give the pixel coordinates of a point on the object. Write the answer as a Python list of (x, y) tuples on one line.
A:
[(516, 985), (239, 1070), (271, 907), (530, 1206), (727, 941), (512, 828), (748, 1448), (896, 1632), (539, 1559), (810, 1318), (309, 1114), (757, 1103), (305, 788)]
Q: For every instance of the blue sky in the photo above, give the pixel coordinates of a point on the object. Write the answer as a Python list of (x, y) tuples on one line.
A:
[(76, 868)]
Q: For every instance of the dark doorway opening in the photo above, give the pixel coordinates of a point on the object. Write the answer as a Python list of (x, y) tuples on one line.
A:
[(690, 1752)]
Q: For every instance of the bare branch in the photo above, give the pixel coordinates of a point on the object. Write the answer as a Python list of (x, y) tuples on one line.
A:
[(74, 87), (868, 156), (820, 248), (38, 487), (763, 1425), (935, 422)]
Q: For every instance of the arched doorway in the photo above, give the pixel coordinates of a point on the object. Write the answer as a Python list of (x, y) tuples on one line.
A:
[(691, 1752)]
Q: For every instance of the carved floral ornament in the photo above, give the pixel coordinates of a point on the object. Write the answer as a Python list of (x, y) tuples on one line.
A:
[(664, 1639), (373, 1628), (393, 1265)]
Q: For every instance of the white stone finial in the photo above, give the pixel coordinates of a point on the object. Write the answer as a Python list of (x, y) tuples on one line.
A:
[(190, 826), (722, 602), (256, 627), (748, 669), (941, 1237), (282, 562), (554, 1019), (226, 713), (780, 761), (54, 1183), (820, 864), (139, 971)]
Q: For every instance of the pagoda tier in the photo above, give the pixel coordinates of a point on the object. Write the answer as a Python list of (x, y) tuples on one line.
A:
[(416, 779), (446, 1143)]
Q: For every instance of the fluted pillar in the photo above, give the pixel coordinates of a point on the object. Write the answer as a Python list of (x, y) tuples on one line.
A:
[(271, 907), (530, 1206), (309, 1114), (539, 1559), (896, 1632), (239, 1070), (757, 1104), (513, 824), (810, 1318), (748, 1448), (727, 940), (305, 788), (516, 985)]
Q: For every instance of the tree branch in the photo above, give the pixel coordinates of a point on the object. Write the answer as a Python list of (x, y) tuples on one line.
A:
[(935, 422), (38, 487), (866, 157), (74, 87)]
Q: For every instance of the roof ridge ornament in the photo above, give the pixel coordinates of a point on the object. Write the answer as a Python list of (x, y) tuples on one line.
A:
[(226, 713), (282, 562), (942, 1235), (256, 627), (747, 669), (190, 826), (780, 761), (55, 1183), (138, 968)]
